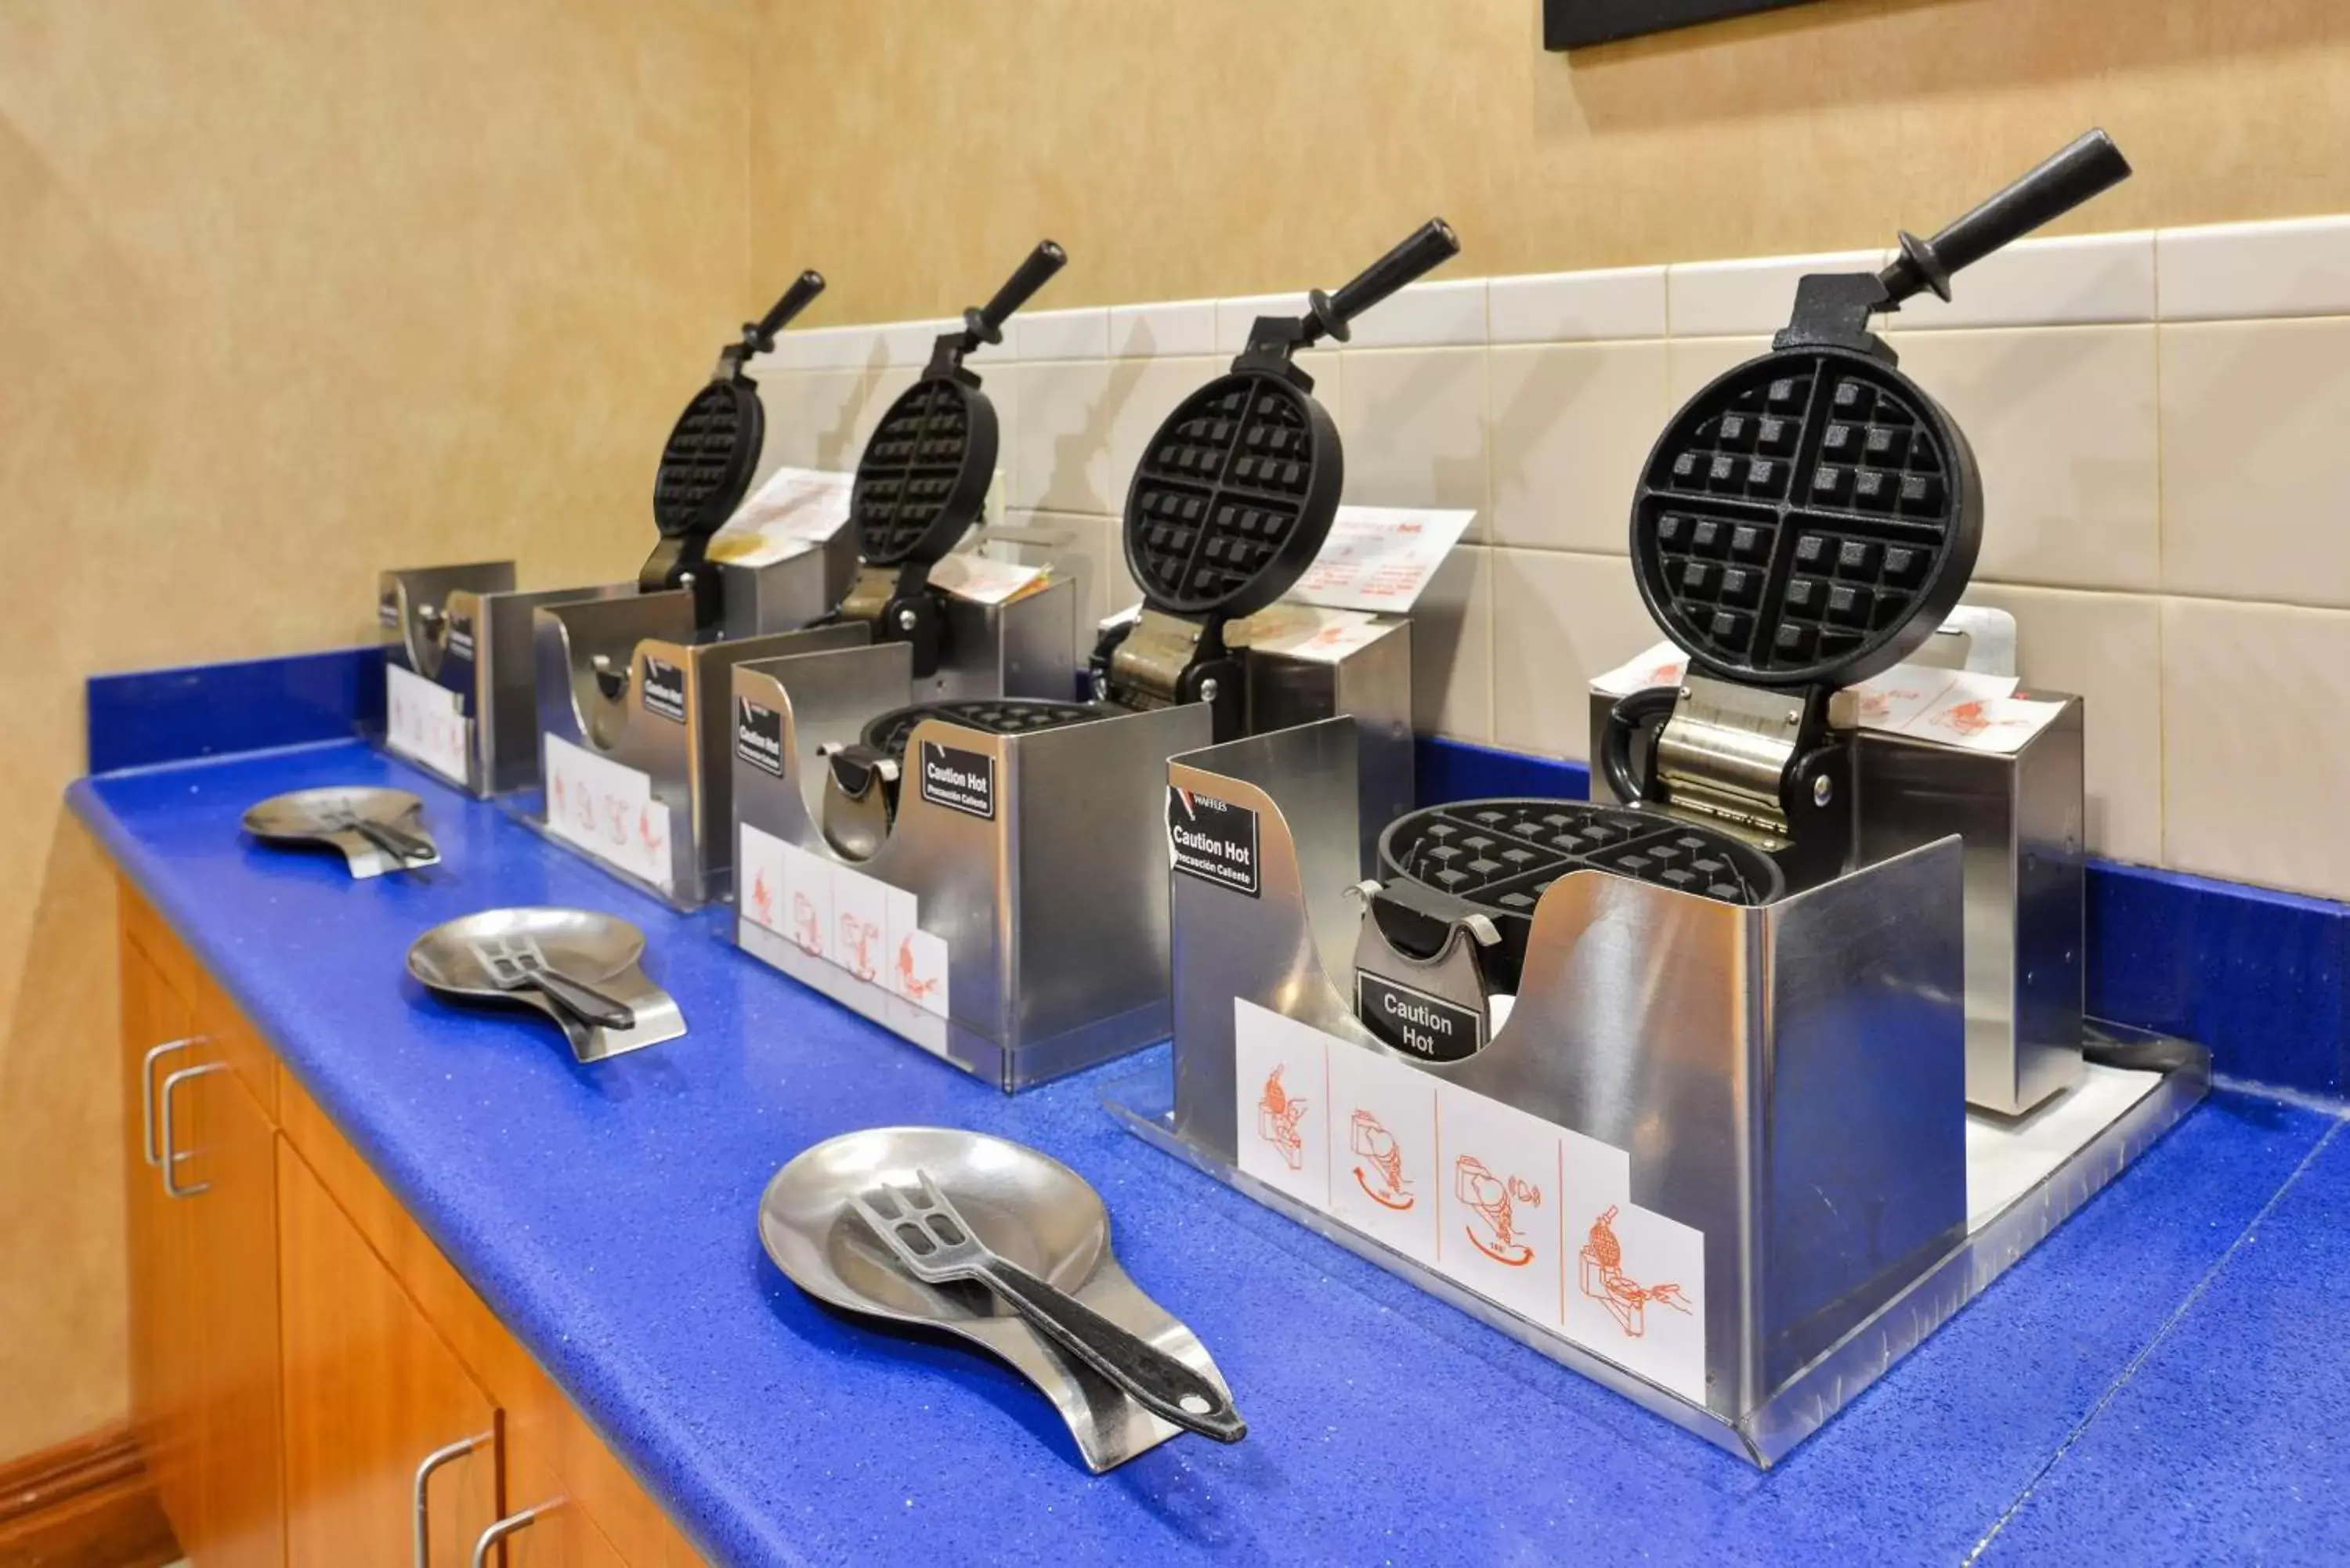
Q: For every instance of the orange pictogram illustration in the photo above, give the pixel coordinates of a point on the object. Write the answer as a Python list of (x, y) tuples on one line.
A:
[(1496, 1203), (1604, 1280), (806, 929), (1277, 1116), (1381, 1173), (654, 839), (616, 818), (914, 988), (763, 900), (857, 941), (1967, 718)]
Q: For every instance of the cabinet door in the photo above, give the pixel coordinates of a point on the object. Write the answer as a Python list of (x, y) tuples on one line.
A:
[(234, 1255), (560, 1534), (166, 1328), (370, 1392)]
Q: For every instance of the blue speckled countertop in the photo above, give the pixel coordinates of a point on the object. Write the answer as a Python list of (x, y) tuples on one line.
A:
[(2164, 1380)]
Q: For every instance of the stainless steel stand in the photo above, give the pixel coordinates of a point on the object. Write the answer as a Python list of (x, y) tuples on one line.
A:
[(1785, 1082), (1052, 907), (468, 630), (2020, 819)]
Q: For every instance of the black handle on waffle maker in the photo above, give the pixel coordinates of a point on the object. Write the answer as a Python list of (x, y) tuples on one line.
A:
[(1430, 246), (2090, 166), (796, 298), (985, 325)]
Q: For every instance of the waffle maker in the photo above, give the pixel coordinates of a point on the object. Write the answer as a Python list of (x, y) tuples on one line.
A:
[(923, 480), (1805, 523), (1231, 503), (711, 452), (466, 630)]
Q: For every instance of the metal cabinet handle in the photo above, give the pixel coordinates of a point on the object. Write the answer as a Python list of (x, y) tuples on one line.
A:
[(171, 1157), (433, 1461), (147, 1093), (509, 1525)]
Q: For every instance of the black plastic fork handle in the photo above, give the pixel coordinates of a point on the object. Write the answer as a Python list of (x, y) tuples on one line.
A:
[(392, 841), (1146, 1374), (581, 1000)]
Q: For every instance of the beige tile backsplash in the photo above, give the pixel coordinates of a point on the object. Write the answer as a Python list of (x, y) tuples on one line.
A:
[(2125, 457)]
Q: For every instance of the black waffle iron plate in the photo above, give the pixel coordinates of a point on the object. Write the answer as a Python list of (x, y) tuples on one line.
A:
[(1237, 489), (923, 480), (711, 453), (1806, 522)]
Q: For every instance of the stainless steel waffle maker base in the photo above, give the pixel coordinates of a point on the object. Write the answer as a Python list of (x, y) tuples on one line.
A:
[(1785, 1081), (629, 681), (1041, 877)]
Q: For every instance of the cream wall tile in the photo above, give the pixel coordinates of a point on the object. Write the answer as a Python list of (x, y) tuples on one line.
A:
[(827, 348), (1058, 456), (1235, 316), (1558, 620), (1081, 334), (2254, 752), (909, 344), (2075, 279), (1562, 307), (2062, 424), (1718, 298), (1452, 649), (2255, 468), (1413, 420), (1441, 313), (2107, 649), (1572, 424), (1691, 362), (1085, 550), (1174, 326), (2299, 267), (824, 418)]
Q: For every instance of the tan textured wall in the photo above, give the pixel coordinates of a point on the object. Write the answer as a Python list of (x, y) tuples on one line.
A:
[(291, 291), (1182, 147)]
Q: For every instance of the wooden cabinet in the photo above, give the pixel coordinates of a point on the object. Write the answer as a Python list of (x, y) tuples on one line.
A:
[(203, 1219), (371, 1393), (166, 1348), (300, 1349)]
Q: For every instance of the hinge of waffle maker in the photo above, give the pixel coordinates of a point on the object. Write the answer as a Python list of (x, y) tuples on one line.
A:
[(1763, 765), (1164, 660), (899, 604)]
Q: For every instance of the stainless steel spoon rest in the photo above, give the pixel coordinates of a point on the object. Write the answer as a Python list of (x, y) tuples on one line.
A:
[(603, 951), (1029, 1206)]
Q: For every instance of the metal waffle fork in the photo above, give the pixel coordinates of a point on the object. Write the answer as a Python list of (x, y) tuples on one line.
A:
[(931, 1241), (517, 963)]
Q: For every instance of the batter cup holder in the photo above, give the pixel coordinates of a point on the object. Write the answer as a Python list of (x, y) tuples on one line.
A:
[(1781, 1086)]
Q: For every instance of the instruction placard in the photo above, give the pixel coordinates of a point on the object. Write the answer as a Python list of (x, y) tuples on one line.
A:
[(1536, 1218), (856, 923), (426, 724), (608, 810)]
